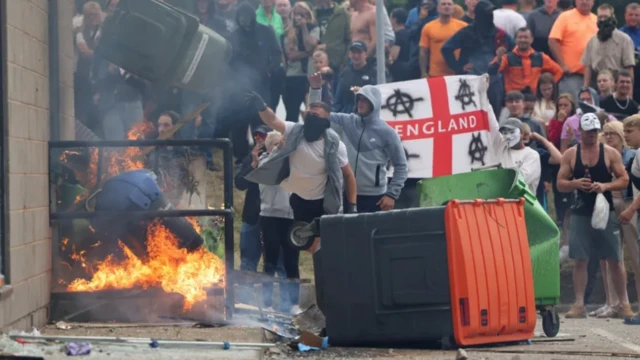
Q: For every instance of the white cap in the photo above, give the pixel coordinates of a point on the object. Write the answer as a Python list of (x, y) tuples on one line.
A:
[(589, 122)]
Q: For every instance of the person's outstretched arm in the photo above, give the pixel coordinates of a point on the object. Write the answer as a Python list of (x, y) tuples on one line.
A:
[(315, 95), (254, 101)]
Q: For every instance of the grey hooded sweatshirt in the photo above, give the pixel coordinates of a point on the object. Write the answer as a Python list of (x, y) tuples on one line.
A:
[(371, 143)]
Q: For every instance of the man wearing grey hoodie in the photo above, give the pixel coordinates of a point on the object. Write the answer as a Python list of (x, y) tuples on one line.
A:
[(371, 144)]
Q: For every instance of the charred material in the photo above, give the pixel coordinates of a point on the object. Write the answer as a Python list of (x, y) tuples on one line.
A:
[(151, 305)]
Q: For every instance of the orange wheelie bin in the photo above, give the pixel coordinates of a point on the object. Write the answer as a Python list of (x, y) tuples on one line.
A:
[(490, 273)]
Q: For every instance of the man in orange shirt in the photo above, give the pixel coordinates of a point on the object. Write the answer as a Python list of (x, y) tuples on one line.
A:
[(523, 66), (568, 39), (433, 36)]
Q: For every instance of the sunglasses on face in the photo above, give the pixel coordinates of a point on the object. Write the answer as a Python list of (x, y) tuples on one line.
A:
[(259, 137)]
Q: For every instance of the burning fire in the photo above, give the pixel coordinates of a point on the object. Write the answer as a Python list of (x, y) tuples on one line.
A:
[(117, 161), (168, 266)]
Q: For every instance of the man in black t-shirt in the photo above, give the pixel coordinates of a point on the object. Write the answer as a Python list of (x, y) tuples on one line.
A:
[(399, 61), (620, 104)]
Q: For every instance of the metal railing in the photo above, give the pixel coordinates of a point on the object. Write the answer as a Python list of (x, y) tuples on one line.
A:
[(227, 212)]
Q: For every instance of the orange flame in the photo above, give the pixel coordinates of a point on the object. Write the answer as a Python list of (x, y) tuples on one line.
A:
[(116, 161), (168, 266), (194, 222), (63, 244)]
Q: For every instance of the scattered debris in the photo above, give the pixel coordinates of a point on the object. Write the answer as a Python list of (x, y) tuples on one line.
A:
[(311, 320), (304, 348), (63, 325), (80, 348), (552, 340), (461, 355), (142, 341), (313, 340), (126, 325)]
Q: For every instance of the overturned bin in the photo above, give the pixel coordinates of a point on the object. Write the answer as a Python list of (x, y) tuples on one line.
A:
[(542, 231), (164, 45)]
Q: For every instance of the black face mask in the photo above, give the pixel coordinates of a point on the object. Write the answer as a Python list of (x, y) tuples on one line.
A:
[(606, 28), (314, 127)]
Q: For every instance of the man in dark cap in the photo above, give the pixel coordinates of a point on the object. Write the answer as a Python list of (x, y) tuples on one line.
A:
[(479, 43), (358, 74), (250, 238)]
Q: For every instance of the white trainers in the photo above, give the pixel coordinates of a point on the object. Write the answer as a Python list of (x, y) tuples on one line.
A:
[(295, 310), (564, 254)]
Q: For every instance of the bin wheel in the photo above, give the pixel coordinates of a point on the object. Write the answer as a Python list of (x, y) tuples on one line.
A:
[(550, 322), (301, 236)]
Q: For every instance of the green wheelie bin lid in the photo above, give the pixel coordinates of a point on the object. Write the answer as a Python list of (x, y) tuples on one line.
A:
[(542, 231)]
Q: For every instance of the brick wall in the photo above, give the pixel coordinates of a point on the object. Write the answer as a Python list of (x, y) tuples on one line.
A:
[(28, 132)]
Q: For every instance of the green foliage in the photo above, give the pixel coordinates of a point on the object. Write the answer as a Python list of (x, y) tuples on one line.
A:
[(213, 237)]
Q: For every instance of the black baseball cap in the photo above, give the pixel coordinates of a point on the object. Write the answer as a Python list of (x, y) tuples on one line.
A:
[(261, 130), (358, 45)]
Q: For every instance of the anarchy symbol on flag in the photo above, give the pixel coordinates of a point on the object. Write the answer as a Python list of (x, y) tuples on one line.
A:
[(441, 121), (400, 98)]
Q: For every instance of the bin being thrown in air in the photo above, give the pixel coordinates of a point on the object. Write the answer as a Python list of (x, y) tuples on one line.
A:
[(164, 45)]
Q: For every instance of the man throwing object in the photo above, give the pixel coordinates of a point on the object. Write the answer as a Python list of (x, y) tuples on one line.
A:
[(312, 164)]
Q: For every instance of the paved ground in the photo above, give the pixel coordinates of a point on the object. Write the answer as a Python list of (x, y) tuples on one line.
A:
[(578, 339), (595, 336)]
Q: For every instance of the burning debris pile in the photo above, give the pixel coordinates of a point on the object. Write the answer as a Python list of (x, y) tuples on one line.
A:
[(167, 266), (123, 252)]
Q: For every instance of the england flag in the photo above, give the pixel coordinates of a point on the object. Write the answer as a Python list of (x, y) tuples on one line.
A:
[(443, 123)]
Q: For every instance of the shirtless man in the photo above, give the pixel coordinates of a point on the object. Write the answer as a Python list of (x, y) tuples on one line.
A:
[(363, 24)]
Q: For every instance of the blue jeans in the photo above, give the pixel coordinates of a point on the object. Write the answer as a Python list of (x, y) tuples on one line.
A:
[(120, 118), (251, 250)]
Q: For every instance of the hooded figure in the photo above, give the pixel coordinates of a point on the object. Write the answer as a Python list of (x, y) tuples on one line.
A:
[(478, 43), (371, 144), (255, 54), (584, 107)]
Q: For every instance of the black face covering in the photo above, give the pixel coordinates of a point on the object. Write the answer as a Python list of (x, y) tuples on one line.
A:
[(314, 127), (248, 14), (606, 28), (484, 16)]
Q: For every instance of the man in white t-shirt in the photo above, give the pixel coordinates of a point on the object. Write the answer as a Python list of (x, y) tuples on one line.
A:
[(315, 176), (508, 145)]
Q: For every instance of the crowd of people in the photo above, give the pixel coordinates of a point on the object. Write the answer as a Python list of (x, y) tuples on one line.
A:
[(561, 83)]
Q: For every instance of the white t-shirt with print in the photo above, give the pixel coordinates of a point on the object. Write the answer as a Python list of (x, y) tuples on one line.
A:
[(526, 160), (308, 175)]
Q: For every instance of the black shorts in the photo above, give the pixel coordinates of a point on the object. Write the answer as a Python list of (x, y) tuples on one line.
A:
[(306, 210)]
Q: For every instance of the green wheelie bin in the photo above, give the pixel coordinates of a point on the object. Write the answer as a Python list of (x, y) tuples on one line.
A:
[(542, 231)]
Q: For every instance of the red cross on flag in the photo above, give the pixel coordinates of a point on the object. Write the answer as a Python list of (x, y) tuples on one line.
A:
[(443, 123)]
